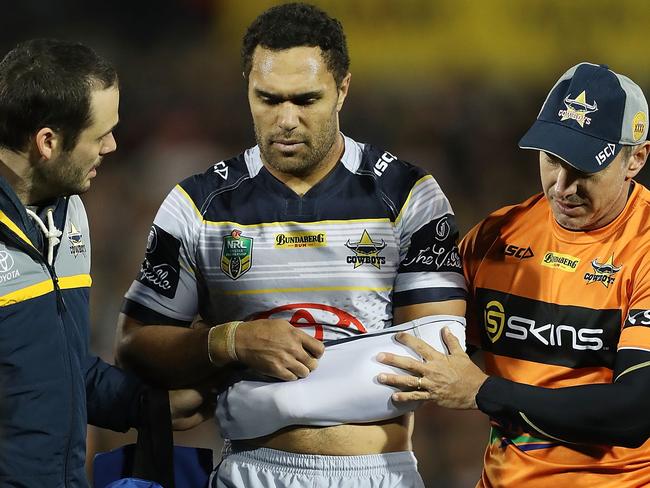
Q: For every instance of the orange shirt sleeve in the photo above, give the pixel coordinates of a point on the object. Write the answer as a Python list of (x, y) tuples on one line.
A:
[(636, 325)]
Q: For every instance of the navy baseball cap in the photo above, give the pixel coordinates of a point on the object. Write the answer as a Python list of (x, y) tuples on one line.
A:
[(590, 113)]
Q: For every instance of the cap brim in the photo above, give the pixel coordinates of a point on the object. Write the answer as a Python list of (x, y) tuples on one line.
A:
[(583, 152)]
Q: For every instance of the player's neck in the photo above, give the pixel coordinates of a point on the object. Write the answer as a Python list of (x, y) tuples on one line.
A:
[(18, 173)]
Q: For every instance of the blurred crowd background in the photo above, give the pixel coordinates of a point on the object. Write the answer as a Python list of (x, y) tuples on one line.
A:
[(449, 85)]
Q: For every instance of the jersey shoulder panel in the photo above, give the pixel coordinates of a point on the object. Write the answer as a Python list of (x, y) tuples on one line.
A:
[(480, 238), (219, 178), (77, 210), (643, 206), (394, 177)]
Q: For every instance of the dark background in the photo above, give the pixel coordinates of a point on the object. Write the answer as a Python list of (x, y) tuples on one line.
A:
[(449, 85)]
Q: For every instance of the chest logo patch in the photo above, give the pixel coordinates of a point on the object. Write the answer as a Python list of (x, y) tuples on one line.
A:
[(315, 317), (366, 251), (77, 244), (603, 272), (565, 262), (290, 240), (236, 254)]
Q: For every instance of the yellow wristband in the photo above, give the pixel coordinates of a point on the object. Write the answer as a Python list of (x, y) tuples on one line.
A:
[(221, 343)]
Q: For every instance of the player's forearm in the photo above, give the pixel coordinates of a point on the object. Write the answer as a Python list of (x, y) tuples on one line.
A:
[(169, 356), (612, 414)]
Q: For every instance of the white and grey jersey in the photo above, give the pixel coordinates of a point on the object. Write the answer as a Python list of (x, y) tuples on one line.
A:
[(235, 243)]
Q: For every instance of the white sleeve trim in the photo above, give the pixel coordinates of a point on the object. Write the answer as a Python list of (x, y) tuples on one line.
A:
[(422, 280)]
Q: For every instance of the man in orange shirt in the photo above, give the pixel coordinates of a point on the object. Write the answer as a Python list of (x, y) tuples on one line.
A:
[(560, 303)]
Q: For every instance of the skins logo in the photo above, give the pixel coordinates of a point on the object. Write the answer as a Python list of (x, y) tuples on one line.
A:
[(366, 251), (494, 318), (547, 333), (316, 316), (236, 254), (565, 262), (77, 245), (518, 252), (603, 273), (577, 109), (637, 317)]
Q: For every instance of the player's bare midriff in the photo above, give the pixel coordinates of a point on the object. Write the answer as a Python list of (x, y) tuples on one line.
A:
[(391, 435)]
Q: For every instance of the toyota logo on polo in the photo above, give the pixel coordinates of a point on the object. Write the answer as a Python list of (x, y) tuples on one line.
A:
[(6, 262)]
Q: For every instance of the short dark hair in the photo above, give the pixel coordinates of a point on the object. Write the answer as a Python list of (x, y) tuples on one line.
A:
[(298, 24), (48, 83)]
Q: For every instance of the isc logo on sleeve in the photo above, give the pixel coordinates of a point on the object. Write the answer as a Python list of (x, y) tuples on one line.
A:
[(382, 163)]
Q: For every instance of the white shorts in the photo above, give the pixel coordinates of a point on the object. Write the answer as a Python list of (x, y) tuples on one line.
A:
[(269, 468)]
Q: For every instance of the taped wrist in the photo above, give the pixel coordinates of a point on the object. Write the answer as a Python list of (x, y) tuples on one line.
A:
[(221, 343)]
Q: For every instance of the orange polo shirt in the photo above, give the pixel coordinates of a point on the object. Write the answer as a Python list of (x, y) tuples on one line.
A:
[(551, 307)]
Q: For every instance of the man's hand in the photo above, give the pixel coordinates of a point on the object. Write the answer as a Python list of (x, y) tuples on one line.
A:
[(190, 407), (276, 348), (451, 381)]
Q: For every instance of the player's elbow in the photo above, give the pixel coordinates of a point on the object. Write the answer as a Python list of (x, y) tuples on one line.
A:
[(630, 426), (631, 441), (124, 348), (633, 436), (631, 421)]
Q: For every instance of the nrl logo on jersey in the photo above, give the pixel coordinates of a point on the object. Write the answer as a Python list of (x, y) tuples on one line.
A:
[(577, 109), (603, 272), (236, 254), (366, 251), (77, 245)]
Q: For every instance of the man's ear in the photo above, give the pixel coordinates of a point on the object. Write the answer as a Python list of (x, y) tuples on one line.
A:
[(343, 91), (47, 143), (638, 159)]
